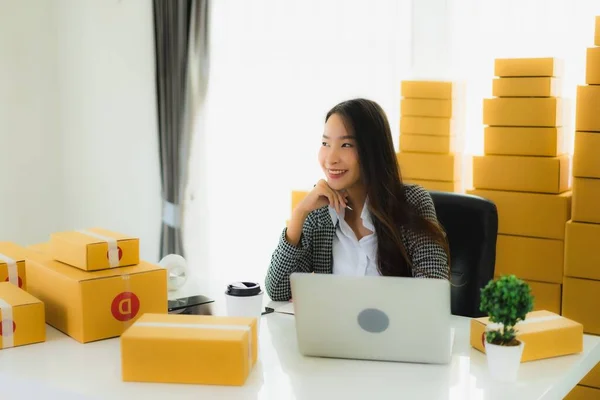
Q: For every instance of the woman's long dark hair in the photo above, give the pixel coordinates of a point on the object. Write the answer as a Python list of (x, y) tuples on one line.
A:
[(381, 176)]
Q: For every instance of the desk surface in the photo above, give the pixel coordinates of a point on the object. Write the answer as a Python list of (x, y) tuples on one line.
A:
[(63, 368)]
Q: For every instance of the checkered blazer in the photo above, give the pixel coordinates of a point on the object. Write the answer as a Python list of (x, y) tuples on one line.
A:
[(314, 252)]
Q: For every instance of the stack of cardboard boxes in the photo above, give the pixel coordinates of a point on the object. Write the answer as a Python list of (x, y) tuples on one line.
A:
[(525, 171), (431, 135), (581, 292)]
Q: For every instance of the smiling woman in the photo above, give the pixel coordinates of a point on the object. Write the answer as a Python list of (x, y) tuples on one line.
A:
[(391, 230)]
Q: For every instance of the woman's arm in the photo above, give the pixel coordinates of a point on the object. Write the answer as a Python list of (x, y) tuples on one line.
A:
[(428, 256), (293, 254)]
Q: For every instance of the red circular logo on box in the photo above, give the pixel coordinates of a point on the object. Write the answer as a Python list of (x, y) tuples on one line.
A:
[(125, 306), (20, 281), (120, 254), (14, 327)]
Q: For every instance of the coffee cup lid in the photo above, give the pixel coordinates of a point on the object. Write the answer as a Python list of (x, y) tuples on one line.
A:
[(243, 289)]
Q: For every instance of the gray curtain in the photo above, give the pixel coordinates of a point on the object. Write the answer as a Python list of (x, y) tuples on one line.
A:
[(181, 40)]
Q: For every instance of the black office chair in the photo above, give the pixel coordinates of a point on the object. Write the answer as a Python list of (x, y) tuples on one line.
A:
[(471, 223)]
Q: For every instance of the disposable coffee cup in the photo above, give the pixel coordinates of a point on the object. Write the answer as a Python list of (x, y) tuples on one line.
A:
[(244, 299)]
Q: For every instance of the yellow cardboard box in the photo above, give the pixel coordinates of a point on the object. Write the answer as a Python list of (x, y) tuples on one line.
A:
[(523, 141), (582, 259), (426, 108), (547, 296), (526, 87), (530, 214), (533, 67), (523, 174), (580, 392), (586, 160), (434, 167), (597, 32), (429, 126), (587, 117), (592, 66), (443, 90), (439, 186), (544, 333), (95, 249), (94, 305), (24, 314), (530, 258), (189, 349), (592, 378), (580, 300), (522, 111), (12, 264), (586, 200), (428, 144), (297, 197)]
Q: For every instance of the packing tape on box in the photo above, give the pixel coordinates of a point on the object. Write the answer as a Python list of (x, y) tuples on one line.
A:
[(201, 326), (13, 272), (113, 248), (7, 325)]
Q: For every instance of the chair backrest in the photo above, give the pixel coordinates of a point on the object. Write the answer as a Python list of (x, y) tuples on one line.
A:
[(471, 224)]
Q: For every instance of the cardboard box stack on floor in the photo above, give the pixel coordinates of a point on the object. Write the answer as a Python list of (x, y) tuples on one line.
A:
[(431, 135), (525, 170), (581, 291)]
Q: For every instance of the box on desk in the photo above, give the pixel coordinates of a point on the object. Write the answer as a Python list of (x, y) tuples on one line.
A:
[(24, 314), (544, 333), (297, 197), (586, 160), (530, 214), (429, 126), (530, 258), (534, 67), (523, 174), (526, 87), (523, 141), (189, 349), (95, 249), (12, 264), (521, 111), (597, 32), (95, 305), (582, 258), (434, 167), (587, 117), (586, 200)]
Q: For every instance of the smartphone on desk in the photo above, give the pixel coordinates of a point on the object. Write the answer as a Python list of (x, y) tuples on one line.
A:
[(198, 305)]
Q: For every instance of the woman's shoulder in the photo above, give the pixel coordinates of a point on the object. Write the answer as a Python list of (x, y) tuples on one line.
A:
[(418, 197), (319, 218)]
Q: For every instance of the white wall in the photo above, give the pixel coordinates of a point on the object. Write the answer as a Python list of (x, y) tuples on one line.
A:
[(32, 189), (108, 118), (82, 80)]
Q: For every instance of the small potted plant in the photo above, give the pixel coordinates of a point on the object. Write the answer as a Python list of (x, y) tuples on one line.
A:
[(506, 301)]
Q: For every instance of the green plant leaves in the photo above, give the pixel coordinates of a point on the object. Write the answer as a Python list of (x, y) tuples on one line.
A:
[(506, 301)]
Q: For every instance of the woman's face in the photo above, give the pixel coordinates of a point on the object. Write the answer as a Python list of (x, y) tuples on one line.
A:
[(338, 155)]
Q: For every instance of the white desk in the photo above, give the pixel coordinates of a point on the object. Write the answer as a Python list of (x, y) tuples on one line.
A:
[(63, 368)]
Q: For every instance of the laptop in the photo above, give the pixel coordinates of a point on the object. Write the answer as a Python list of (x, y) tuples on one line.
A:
[(373, 317)]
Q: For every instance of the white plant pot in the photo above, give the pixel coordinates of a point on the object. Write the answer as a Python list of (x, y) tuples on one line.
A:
[(503, 361)]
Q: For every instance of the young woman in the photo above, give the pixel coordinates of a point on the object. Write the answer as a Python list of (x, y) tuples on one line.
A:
[(362, 220)]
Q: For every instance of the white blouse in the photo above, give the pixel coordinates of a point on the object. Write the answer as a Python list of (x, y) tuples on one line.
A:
[(352, 256)]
